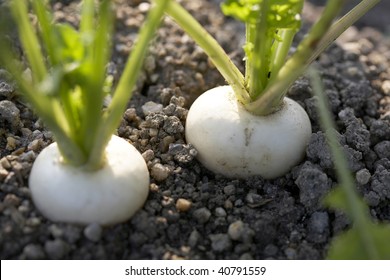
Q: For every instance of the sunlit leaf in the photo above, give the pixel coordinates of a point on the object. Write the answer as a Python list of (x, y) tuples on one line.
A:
[(348, 245), (70, 47), (282, 14)]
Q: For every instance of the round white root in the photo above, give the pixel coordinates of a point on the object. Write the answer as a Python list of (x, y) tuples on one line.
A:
[(237, 144), (106, 196)]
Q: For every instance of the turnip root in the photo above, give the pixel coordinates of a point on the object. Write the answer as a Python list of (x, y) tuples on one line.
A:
[(235, 143), (109, 195)]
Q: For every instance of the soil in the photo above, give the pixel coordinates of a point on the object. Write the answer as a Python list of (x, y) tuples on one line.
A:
[(192, 213)]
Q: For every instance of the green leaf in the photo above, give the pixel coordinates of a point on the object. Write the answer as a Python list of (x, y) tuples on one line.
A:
[(70, 47), (282, 14), (348, 245), (338, 199)]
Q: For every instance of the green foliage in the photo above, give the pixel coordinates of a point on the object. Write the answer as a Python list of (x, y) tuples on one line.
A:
[(366, 239), (68, 80), (281, 14), (271, 26), (348, 245)]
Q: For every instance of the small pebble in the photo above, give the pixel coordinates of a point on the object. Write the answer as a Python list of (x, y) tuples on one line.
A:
[(3, 173), (153, 187), (151, 107), (363, 176), (220, 242), (291, 254), (372, 199), (202, 215), (194, 238), (183, 205), (229, 189), (9, 114), (246, 256), (172, 125), (382, 149), (228, 204), (150, 65), (55, 249), (71, 233), (159, 172), (28, 156), (5, 163), (26, 132), (93, 232), (318, 227), (270, 250), (33, 222), (235, 230), (12, 200), (165, 142), (11, 143), (35, 145), (220, 212), (386, 87), (144, 7), (148, 155), (131, 114), (34, 252), (55, 231), (239, 231)]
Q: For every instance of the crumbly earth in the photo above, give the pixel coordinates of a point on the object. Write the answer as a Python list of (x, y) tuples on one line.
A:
[(192, 213)]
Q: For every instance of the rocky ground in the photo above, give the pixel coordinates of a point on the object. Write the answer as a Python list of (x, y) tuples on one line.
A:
[(192, 213)]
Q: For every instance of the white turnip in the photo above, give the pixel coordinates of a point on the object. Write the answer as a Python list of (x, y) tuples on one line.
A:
[(233, 142), (108, 195)]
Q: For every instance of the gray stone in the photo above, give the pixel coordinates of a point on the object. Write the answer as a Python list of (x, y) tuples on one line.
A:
[(9, 114), (220, 212), (34, 252), (151, 107), (194, 238), (56, 249), (318, 227), (159, 172), (363, 176), (93, 232), (229, 189), (313, 184), (202, 215), (240, 231), (220, 242), (382, 149)]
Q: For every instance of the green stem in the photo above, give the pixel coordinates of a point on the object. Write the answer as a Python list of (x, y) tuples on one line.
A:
[(98, 56), (272, 98), (249, 33), (49, 36), (87, 18), (359, 211), (47, 108), (29, 40), (221, 60), (318, 39), (258, 66), (280, 51), (45, 22), (123, 92), (341, 25)]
